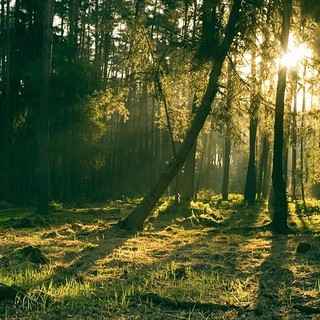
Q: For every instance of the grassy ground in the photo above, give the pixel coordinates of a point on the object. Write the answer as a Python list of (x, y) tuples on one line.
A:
[(195, 261)]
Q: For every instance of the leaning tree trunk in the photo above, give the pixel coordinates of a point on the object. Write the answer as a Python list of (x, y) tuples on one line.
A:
[(279, 221), (136, 218), (43, 125)]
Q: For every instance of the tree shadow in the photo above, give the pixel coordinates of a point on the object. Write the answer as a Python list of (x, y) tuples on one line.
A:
[(98, 245), (275, 280)]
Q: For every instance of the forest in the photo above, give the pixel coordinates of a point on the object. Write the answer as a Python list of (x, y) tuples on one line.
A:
[(159, 159)]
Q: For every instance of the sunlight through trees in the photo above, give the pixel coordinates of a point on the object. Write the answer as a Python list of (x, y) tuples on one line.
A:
[(123, 78)]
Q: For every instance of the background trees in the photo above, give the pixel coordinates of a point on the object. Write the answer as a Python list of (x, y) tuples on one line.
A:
[(123, 71)]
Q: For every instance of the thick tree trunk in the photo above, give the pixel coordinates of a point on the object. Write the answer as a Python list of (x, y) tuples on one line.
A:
[(279, 221), (43, 125), (136, 218)]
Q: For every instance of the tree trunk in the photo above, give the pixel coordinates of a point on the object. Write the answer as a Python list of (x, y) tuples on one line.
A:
[(226, 169), (294, 143), (251, 180), (5, 104), (279, 221), (263, 167), (303, 198), (136, 218), (43, 125), (227, 146), (202, 168), (187, 188)]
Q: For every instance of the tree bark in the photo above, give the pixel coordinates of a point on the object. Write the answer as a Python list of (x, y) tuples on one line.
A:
[(227, 146), (5, 104), (251, 180), (279, 221), (226, 169), (263, 167), (294, 142), (303, 198), (187, 188), (136, 218), (43, 125)]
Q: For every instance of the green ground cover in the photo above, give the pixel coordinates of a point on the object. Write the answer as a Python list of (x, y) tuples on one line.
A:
[(205, 260)]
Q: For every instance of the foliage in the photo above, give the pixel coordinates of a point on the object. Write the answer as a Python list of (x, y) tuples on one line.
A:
[(116, 65)]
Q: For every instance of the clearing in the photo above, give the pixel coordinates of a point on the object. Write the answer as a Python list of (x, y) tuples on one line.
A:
[(203, 260)]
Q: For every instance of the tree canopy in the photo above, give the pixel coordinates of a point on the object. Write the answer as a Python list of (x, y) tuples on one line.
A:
[(128, 79)]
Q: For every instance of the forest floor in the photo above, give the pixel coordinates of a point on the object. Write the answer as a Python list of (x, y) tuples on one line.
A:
[(204, 260)]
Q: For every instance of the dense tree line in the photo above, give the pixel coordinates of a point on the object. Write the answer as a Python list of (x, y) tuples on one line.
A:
[(128, 78)]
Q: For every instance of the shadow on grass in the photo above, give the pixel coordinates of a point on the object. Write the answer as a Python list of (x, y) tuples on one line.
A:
[(274, 280), (137, 259)]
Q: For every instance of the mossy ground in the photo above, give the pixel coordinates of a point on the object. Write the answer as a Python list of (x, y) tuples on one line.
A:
[(201, 252)]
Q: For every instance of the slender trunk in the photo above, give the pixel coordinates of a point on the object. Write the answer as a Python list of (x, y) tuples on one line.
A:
[(201, 168), (74, 29), (5, 104), (136, 218), (227, 147), (43, 125), (267, 172), (163, 98), (251, 180), (226, 169), (262, 164), (302, 139), (97, 52), (294, 144), (187, 188), (279, 221), (207, 171)]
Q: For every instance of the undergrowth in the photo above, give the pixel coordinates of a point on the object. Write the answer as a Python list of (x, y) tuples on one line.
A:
[(195, 252)]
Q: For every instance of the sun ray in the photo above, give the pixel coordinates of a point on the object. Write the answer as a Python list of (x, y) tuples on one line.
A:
[(296, 54)]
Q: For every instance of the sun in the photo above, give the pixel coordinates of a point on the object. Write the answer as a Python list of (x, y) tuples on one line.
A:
[(295, 55)]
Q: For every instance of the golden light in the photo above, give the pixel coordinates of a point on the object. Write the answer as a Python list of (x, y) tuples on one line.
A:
[(295, 55)]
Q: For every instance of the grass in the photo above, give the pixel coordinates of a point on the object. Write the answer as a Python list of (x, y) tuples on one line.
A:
[(199, 252)]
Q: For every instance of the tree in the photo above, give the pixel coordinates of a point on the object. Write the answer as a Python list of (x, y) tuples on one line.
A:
[(134, 221), (5, 101), (43, 120), (279, 220), (294, 137), (187, 188), (227, 138), (251, 180)]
